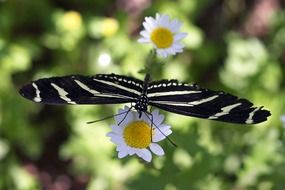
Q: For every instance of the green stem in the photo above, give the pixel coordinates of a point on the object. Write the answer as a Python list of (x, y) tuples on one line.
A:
[(149, 62)]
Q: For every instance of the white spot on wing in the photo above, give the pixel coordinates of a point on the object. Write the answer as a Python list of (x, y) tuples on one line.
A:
[(96, 93), (118, 86), (249, 120), (38, 97), (172, 93), (225, 110), (189, 104), (62, 94), (203, 100), (85, 87)]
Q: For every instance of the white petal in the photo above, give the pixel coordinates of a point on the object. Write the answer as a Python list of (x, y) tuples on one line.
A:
[(144, 40), (155, 113), (151, 22), (156, 149), (178, 46), (116, 129), (161, 53), (132, 151), (145, 34), (163, 127), (145, 118), (173, 23), (178, 50), (122, 154), (150, 26), (157, 118), (158, 136), (117, 140), (147, 27), (121, 147), (179, 36), (113, 136), (122, 113), (164, 21), (110, 134), (175, 26), (164, 54), (145, 154), (136, 116), (125, 120), (170, 51), (167, 132)]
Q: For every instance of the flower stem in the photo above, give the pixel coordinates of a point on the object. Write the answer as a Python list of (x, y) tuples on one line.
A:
[(149, 65)]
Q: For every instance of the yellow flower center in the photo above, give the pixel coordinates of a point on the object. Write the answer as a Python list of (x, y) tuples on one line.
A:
[(162, 37), (138, 134)]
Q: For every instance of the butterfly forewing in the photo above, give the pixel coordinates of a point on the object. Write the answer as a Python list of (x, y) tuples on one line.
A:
[(192, 100), (98, 89)]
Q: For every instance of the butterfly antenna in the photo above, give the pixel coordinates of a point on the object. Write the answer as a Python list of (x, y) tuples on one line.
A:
[(169, 139), (108, 117)]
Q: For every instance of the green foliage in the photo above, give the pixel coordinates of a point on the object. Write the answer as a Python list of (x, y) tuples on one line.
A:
[(47, 146)]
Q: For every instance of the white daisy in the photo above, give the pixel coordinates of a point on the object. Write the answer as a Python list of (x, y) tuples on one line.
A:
[(134, 135), (163, 34)]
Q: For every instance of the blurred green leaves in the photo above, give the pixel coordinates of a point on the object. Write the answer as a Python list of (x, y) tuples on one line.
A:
[(67, 32), (246, 58), (45, 38)]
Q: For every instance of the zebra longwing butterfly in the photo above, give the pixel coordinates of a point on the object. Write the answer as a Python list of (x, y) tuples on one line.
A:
[(169, 95)]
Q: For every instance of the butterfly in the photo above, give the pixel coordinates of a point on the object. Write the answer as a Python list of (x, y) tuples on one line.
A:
[(169, 95)]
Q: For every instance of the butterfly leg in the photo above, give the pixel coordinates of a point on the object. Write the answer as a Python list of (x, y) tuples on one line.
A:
[(148, 114), (127, 112), (151, 125), (108, 117)]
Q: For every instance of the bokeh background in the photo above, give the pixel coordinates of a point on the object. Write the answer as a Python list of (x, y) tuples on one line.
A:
[(233, 45)]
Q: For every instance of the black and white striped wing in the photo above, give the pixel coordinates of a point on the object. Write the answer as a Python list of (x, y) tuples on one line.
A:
[(191, 100), (98, 89)]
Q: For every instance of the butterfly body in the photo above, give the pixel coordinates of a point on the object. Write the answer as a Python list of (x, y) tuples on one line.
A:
[(142, 101), (141, 104), (169, 95)]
